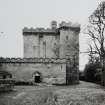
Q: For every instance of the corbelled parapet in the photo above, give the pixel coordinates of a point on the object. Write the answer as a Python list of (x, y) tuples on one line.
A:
[(53, 29), (69, 25), (31, 30)]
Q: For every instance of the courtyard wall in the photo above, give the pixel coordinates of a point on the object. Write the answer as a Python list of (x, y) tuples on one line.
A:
[(52, 71)]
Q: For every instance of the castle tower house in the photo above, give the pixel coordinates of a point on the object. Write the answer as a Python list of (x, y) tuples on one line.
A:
[(40, 42), (69, 39), (52, 42)]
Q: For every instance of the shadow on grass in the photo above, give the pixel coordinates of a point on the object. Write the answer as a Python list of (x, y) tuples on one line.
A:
[(71, 84)]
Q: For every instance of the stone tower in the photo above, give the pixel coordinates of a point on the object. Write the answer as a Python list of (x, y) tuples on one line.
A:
[(40, 42), (50, 55), (53, 42), (69, 39)]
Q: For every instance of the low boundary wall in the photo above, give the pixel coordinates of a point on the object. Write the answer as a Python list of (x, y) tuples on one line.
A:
[(53, 71)]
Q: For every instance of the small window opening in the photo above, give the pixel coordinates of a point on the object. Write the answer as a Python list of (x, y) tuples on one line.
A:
[(67, 37)]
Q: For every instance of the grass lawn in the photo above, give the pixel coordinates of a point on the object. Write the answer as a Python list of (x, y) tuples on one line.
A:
[(83, 94)]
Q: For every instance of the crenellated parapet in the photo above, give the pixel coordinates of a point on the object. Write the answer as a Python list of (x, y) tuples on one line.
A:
[(35, 60), (36, 31), (55, 31), (69, 25)]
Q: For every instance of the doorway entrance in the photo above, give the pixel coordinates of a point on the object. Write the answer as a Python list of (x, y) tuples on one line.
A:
[(37, 77)]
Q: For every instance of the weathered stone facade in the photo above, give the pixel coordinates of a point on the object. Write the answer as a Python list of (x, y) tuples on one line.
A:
[(50, 55), (51, 42), (51, 70)]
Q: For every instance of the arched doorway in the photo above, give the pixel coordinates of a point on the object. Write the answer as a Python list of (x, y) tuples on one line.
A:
[(37, 77)]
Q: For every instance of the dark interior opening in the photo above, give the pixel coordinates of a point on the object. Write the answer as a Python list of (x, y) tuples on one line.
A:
[(37, 79), (4, 76)]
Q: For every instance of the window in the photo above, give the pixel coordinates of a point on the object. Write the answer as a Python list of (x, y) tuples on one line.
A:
[(67, 37), (44, 49), (44, 43), (40, 36), (55, 44)]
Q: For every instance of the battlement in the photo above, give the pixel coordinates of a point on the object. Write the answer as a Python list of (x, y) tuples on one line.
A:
[(26, 29), (31, 30), (63, 24), (35, 60), (69, 25)]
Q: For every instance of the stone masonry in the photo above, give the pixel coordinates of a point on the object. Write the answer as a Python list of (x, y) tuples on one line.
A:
[(51, 42), (50, 55)]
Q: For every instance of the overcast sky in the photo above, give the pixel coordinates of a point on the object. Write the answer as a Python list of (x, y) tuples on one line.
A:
[(15, 14)]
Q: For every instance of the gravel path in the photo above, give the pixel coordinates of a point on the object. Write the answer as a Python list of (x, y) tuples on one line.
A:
[(83, 94)]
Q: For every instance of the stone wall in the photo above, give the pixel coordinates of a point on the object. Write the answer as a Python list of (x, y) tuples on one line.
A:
[(72, 73), (31, 48), (51, 42), (40, 45), (39, 42), (51, 72), (69, 41)]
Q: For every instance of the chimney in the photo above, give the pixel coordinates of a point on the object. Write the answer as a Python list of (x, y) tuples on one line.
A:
[(53, 25)]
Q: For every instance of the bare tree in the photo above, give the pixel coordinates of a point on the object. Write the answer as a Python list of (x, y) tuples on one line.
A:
[(96, 31)]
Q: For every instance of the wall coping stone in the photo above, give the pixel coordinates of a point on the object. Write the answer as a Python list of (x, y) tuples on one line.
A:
[(35, 60)]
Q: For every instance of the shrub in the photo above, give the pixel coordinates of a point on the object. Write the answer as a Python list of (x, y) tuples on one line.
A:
[(6, 85), (24, 82)]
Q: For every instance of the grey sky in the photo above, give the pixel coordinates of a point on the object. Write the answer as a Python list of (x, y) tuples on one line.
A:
[(15, 14)]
